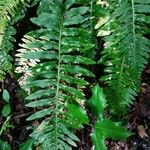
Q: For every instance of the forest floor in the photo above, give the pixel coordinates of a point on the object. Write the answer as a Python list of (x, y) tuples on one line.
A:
[(138, 120)]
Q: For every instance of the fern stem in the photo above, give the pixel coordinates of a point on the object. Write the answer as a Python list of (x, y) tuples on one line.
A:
[(91, 19), (133, 30), (58, 80)]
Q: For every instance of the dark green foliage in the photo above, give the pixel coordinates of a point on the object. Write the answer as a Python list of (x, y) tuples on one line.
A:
[(104, 128), (6, 108), (75, 116), (97, 102), (57, 74), (28, 145), (126, 52), (4, 145), (11, 11), (56, 62)]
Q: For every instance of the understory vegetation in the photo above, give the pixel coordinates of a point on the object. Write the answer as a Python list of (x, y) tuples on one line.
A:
[(78, 64)]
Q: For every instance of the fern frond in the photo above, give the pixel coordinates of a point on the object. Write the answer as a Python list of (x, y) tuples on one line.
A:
[(127, 51), (11, 11), (54, 57)]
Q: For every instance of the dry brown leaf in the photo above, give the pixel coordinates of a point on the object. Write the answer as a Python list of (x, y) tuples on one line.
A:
[(141, 131), (147, 71)]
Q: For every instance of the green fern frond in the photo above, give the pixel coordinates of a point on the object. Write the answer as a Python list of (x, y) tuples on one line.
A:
[(11, 11), (54, 58), (126, 51)]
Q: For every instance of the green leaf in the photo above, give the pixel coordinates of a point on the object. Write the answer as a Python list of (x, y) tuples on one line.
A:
[(98, 140), (77, 59), (40, 114), (40, 93), (6, 110), (74, 92), (74, 80), (40, 55), (39, 103), (76, 116), (6, 96), (142, 2), (112, 130), (77, 69), (106, 129), (28, 145), (98, 101), (77, 11), (140, 8), (69, 3), (4, 145), (41, 83)]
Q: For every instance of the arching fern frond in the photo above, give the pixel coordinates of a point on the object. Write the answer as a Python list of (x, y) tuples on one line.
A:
[(126, 51), (54, 58), (11, 11)]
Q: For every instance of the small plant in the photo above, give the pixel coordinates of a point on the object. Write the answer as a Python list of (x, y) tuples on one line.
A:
[(6, 111), (28, 145), (4, 145), (6, 108), (104, 128)]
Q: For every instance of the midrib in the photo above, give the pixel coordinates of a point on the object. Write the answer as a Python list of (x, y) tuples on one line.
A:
[(134, 34), (58, 80)]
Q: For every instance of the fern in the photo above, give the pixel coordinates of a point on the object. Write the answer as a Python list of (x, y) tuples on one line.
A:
[(54, 58), (104, 128), (126, 52), (11, 11)]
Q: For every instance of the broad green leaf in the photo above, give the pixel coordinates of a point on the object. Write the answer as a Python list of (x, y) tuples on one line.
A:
[(75, 32), (41, 83), (106, 129), (74, 20), (28, 145), (77, 11), (70, 141), (40, 55), (68, 3), (142, 1), (98, 140), (44, 20), (40, 114), (6, 96), (66, 146), (77, 70), (73, 91), (77, 59), (40, 93), (6, 110), (141, 8), (70, 134), (4, 145), (76, 116), (97, 102), (39, 103), (77, 47), (74, 80), (112, 130)]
